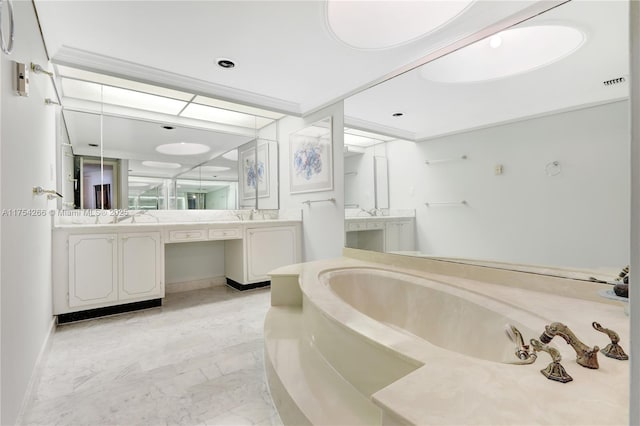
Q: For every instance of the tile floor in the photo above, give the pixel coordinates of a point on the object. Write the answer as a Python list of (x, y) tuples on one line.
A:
[(198, 360)]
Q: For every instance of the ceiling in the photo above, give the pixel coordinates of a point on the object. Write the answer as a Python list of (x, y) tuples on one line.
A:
[(288, 60), (434, 108)]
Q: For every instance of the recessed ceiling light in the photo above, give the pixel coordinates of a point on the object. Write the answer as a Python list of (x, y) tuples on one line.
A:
[(167, 127), (182, 148), (521, 50), (374, 24), (225, 63), (137, 184), (93, 145), (397, 114), (161, 165)]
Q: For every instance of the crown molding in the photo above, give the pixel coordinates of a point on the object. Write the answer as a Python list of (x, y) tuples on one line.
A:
[(68, 56)]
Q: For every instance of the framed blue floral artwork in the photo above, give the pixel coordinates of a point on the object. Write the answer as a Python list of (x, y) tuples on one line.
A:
[(311, 158), (255, 172)]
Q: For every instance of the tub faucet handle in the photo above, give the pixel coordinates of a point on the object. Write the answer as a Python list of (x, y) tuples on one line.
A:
[(554, 371), (613, 349)]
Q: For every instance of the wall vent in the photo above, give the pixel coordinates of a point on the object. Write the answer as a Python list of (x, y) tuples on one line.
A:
[(614, 81)]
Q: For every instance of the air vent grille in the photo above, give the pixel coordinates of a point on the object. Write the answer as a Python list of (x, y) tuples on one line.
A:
[(614, 81)]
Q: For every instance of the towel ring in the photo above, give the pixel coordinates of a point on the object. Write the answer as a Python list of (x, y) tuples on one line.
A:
[(7, 48)]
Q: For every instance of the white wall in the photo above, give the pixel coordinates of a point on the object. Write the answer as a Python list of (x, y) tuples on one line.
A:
[(634, 290), (323, 223), (578, 218), (193, 261), (28, 159)]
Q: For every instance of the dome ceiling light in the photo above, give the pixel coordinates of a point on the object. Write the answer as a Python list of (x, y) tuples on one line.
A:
[(510, 52), (384, 24), (182, 148), (231, 155)]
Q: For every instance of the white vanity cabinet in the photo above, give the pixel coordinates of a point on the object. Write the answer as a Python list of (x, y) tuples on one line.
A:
[(140, 265), (99, 266), (93, 269), (380, 233), (106, 269), (263, 249), (399, 236)]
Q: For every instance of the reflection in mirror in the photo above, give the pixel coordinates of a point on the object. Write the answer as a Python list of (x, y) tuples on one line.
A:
[(156, 132), (381, 182), (268, 184), (146, 193), (546, 175), (361, 186), (211, 186), (99, 183)]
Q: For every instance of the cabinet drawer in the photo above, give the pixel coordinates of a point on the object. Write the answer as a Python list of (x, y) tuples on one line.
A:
[(375, 225), (225, 234), (190, 235), (356, 226)]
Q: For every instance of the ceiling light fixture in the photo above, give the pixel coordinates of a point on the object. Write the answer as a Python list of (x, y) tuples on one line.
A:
[(374, 24), (521, 50), (231, 155), (182, 148), (225, 63), (93, 145), (167, 127), (397, 114), (495, 41)]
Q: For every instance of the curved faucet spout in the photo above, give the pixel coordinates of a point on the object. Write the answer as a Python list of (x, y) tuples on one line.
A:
[(585, 356)]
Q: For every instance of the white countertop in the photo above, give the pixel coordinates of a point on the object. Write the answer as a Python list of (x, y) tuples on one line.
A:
[(143, 224)]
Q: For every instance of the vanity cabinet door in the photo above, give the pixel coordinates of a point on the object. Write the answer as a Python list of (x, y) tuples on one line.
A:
[(399, 236), (270, 248), (93, 269), (140, 257)]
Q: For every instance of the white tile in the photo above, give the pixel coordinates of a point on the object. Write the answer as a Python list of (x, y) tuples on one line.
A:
[(196, 360)]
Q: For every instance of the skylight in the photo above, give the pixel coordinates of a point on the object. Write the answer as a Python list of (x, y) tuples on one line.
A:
[(384, 24), (507, 53)]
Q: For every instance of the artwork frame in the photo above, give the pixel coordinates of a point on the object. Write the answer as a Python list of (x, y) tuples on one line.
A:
[(254, 178), (311, 158)]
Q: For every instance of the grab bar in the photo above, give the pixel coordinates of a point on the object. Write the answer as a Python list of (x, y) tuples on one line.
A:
[(445, 160), (308, 202), (448, 203)]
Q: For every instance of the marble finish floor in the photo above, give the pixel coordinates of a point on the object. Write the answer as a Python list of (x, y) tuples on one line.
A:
[(197, 360)]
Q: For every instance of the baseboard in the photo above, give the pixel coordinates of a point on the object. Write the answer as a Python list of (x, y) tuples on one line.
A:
[(108, 310), (244, 287), (194, 285), (36, 375)]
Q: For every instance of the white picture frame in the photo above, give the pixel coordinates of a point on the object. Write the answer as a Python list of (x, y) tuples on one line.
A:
[(311, 158)]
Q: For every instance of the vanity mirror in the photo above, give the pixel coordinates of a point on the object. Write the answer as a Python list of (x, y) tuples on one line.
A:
[(521, 158), (146, 147), (365, 174)]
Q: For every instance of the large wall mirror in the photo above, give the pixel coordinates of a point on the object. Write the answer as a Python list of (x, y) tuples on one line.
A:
[(521, 157), (130, 145)]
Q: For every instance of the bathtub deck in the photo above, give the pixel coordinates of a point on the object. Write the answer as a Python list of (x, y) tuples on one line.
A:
[(319, 394)]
